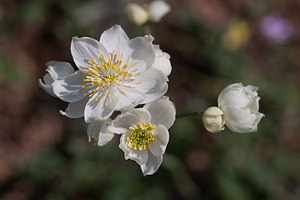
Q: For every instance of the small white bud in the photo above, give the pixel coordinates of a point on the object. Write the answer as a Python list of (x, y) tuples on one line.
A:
[(213, 119)]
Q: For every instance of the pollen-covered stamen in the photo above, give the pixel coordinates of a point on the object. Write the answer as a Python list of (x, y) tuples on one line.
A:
[(141, 136), (100, 76)]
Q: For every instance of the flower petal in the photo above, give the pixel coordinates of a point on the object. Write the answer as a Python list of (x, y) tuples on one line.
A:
[(105, 135), (69, 88), (122, 123), (141, 114), (45, 84), (152, 164), (225, 91), (143, 50), (162, 136), (114, 39), (153, 83), (93, 130), (58, 69), (128, 119), (85, 49), (75, 109), (141, 157), (162, 61), (241, 120), (162, 112), (98, 108), (129, 98)]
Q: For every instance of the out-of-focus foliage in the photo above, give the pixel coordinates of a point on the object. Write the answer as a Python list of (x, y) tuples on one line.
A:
[(45, 156)]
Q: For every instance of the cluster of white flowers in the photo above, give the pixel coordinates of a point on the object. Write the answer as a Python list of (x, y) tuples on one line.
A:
[(130, 76), (237, 109), (117, 74), (153, 12)]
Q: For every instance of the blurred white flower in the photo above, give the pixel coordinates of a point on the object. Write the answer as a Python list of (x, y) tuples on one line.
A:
[(153, 12), (136, 14), (115, 73), (240, 106), (158, 9), (213, 119), (145, 133)]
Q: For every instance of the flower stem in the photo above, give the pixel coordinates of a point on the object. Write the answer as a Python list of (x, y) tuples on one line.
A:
[(193, 114)]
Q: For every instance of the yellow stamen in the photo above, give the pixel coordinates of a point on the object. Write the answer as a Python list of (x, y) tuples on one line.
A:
[(141, 137), (111, 71)]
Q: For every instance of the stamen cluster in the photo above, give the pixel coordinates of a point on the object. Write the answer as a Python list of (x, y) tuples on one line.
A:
[(111, 71), (141, 137)]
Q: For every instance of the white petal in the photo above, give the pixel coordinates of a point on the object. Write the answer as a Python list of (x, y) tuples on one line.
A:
[(114, 39), (141, 114), (105, 135), (128, 119), (45, 84), (99, 109), (143, 50), (130, 99), (153, 83), (152, 164), (141, 157), (93, 130), (69, 88), (75, 109), (122, 123), (162, 61), (85, 49), (241, 120), (58, 69), (97, 131), (225, 91), (162, 112), (162, 136)]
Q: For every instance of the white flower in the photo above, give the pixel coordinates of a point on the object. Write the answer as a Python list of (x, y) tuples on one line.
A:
[(136, 14), (97, 131), (115, 73), (145, 133), (240, 106), (213, 119), (158, 9)]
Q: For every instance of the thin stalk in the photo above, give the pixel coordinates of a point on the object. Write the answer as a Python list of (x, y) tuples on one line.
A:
[(193, 114)]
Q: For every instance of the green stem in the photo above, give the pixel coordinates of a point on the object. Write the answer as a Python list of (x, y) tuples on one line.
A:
[(194, 114)]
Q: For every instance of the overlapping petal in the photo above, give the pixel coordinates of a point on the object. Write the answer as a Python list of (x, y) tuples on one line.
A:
[(162, 112)]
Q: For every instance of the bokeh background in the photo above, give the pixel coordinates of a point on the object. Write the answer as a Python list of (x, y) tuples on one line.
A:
[(44, 155)]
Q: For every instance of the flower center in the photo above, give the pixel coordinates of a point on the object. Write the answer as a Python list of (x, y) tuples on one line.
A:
[(141, 137), (110, 72)]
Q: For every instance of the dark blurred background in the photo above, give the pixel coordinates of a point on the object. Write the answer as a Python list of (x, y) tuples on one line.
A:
[(44, 155)]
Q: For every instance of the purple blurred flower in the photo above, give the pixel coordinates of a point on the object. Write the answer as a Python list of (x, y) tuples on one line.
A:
[(276, 28)]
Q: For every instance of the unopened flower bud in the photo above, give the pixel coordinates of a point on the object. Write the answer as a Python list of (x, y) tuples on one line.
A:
[(240, 106), (213, 119)]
